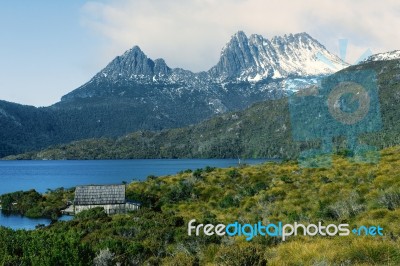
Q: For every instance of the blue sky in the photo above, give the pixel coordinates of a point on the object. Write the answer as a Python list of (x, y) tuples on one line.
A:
[(48, 48), (44, 50)]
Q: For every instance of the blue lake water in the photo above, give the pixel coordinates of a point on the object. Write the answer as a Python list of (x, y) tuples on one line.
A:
[(20, 222), (43, 175)]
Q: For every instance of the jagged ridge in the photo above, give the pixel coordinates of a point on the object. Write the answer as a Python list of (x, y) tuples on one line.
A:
[(257, 58), (250, 59)]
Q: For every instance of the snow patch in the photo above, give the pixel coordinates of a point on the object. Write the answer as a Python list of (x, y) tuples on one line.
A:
[(393, 55)]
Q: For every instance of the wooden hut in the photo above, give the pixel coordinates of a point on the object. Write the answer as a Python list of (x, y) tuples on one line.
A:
[(110, 197)]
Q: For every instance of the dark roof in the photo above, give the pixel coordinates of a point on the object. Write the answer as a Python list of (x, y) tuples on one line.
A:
[(94, 195)]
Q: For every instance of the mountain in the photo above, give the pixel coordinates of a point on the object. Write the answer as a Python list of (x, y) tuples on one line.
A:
[(134, 92), (263, 131), (392, 55), (242, 59), (256, 58), (25, 128)]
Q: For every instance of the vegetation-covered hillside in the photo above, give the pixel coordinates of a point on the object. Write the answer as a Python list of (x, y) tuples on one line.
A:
[(357, 194), (262, 131)]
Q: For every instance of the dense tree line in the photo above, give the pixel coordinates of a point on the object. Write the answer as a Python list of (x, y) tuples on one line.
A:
[(115, 110)]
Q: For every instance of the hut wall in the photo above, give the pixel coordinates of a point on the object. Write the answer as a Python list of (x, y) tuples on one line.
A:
[(109, 208)]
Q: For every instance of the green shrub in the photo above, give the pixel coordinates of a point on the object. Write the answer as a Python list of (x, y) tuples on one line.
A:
[(390, 198), (240, 254), (229, 201), (198, 173), (151, 177), (178, 192), (234, 173), (209, 169)]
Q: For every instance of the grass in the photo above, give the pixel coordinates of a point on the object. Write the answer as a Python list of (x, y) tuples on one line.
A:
[(347, 192)]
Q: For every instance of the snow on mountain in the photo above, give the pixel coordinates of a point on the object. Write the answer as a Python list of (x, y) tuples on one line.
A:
[(253, 59), (256, 58), (383, 56), (243, 58)]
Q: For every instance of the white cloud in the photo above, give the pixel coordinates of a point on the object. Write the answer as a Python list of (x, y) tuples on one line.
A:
[(190, 34)]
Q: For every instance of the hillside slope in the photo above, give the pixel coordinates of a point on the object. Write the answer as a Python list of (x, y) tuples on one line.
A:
[(261, 131)]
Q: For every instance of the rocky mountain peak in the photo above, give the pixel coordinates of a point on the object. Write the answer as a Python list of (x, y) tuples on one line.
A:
[(235, 57), (134, 63), (257, 58), (240, 37), (160, 67)]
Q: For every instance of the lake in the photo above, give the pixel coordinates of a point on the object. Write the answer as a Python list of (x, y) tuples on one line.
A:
[(43, 175), (15, 221)]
